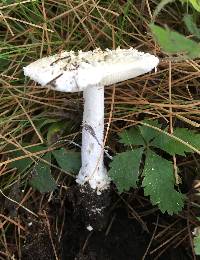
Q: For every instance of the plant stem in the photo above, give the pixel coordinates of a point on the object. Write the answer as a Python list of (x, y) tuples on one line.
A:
[(93, 170)]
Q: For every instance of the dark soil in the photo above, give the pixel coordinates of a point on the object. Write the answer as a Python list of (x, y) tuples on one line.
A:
[(38, 247), (121, 237), (90, 208)]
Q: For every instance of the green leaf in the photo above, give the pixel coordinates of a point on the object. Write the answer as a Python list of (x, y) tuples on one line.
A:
[(194, 3), (138, 135), (175, 43), (125, 169), (23, 164), (131, 136), (147, 132), (69, 161), (191, 26), (173, 146), (8, 1), (161, 5), (43, 122), (55, 131), (197, 244), (42, 179), (159, 184)]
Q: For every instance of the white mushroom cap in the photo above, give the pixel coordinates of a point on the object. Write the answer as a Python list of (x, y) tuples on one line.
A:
[(72, 72)]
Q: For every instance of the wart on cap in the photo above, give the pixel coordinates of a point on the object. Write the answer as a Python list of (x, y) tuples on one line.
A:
[(75, 71)]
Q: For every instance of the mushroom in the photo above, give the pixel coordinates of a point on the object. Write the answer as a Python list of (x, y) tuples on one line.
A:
[(90, 72)]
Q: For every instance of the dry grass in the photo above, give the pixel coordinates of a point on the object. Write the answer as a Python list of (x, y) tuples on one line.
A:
[(34, 29)]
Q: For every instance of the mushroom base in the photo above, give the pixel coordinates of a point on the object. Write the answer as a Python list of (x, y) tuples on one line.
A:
[(98, 180), (93, 207)]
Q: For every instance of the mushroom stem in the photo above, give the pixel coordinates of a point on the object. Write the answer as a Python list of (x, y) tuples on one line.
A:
[(93, 170)]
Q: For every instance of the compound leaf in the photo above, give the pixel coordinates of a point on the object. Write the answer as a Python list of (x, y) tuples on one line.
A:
[(175, 43), (26, 162), (159, 184), (131, 136), (140, 135), (42, 179), (69, 161), (173, 146), (125, 169), (148, 132)]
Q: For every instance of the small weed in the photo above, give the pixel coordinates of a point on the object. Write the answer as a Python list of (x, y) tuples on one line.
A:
[(157, 173)]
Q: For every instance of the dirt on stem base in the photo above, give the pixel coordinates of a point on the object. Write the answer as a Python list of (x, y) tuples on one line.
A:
[(90, 207)]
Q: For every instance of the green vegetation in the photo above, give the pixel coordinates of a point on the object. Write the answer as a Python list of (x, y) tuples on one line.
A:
[(40, 131), (157, 173)]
